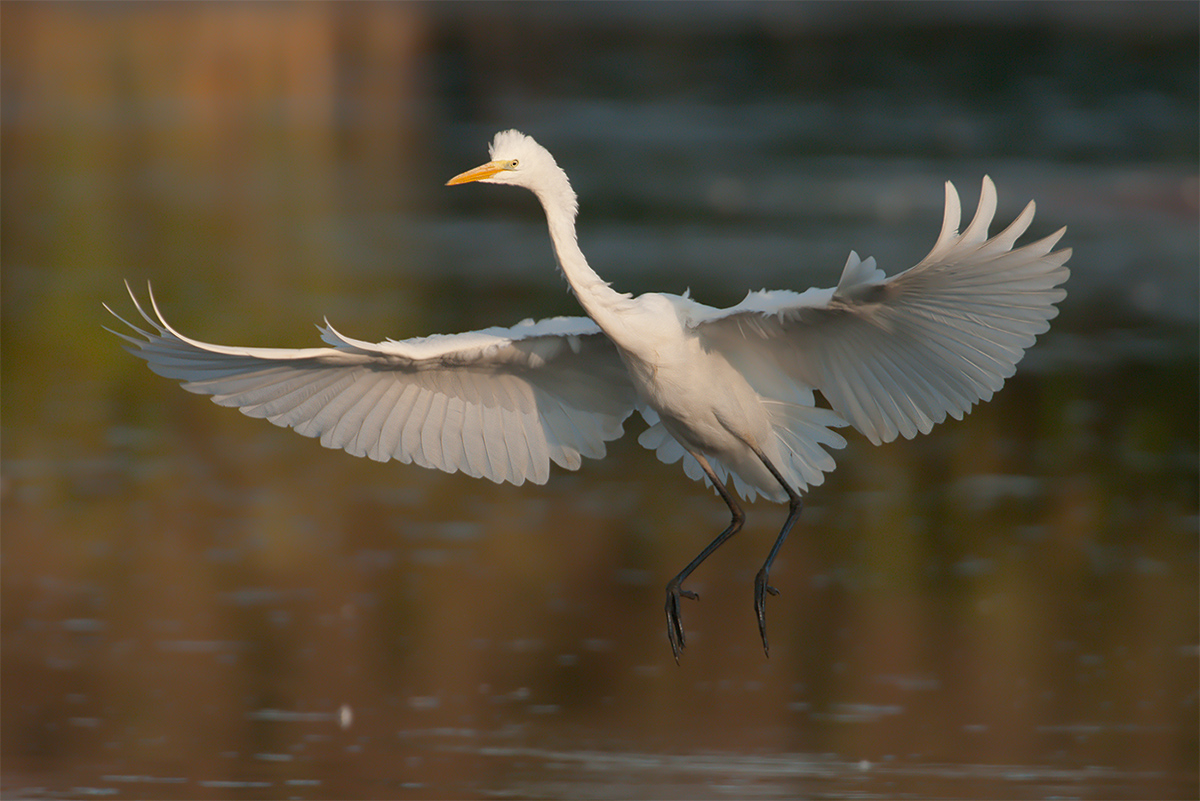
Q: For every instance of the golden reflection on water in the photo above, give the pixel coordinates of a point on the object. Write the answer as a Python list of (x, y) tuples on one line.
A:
[(196, 604)]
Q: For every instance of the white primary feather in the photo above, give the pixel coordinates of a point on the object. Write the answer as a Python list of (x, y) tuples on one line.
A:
[(895, 356), (499, 404)]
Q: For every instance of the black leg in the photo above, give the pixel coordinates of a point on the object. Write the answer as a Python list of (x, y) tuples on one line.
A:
[(674, 588), (761, 587)]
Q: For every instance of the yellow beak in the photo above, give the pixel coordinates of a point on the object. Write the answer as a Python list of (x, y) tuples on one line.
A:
[(477, 174)]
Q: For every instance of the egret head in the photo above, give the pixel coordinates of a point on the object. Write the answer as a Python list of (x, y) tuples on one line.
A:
[(516, 160)]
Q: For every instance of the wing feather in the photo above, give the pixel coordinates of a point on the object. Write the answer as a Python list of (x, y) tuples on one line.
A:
[(373, 430), (894, 356), (474, 452), (431, 432), (500, 403), (453, 453), (393, 430), (347, 432), (410, 437), (493, 443), (516, 445), (561, 433), (297, 408), (338, 402)]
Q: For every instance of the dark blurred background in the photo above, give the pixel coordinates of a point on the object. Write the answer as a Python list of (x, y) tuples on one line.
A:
[(200, 605)]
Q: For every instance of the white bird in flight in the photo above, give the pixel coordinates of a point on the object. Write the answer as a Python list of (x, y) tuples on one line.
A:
[(728, 391)]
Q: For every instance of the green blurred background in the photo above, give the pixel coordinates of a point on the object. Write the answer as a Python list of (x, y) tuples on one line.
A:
[(199, 605)]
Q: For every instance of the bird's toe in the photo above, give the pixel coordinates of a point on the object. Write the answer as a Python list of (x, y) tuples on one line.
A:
[(674, 620)]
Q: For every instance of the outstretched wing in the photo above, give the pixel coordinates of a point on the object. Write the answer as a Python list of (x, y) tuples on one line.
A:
[(896, 355), (501, 403)]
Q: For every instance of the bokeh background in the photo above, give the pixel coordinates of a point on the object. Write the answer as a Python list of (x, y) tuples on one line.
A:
[(199, 605)]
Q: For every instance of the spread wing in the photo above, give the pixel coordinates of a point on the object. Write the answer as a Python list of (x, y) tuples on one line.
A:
[(896, 355), (501, 403)]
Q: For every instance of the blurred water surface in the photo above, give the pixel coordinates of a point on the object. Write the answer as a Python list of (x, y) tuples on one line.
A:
[(199, 605)]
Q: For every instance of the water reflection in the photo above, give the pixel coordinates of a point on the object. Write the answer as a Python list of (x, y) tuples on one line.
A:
[(196, 604)]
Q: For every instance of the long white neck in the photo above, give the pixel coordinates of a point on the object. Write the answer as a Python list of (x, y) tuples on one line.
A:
[(598, 299)]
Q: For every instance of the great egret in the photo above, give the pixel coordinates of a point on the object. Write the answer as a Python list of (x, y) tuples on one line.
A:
[(729, 391)]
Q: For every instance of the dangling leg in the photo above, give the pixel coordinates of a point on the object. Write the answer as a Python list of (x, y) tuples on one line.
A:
[(761, 587), (674, 588)]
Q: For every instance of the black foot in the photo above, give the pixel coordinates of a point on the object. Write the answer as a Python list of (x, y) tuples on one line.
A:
[(674, 624), (761, 587)]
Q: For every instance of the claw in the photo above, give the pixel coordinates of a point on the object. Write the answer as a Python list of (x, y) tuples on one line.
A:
[(674, 623), (761, 587)]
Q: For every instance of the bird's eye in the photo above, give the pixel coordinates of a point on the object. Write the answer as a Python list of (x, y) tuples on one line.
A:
[(512, 165)]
